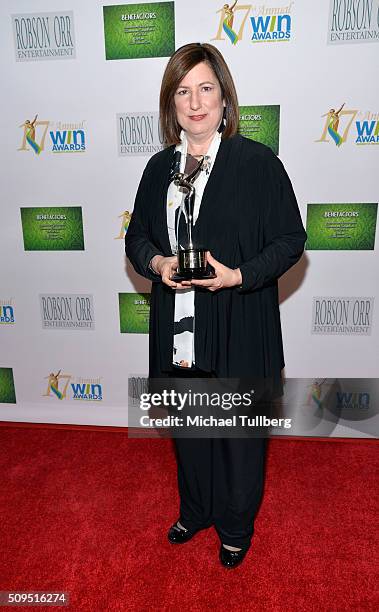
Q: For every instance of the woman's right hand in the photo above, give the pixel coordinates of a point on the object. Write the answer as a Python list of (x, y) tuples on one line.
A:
[(166, 267)]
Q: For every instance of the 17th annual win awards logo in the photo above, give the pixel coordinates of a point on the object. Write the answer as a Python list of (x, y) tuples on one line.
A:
[(343, 123), (61, 385), (139, 30), (258, 23), (125, 217), (7, 311), (54, 136)]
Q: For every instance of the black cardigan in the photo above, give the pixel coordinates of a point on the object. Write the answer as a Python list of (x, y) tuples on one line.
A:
[(249, 219)]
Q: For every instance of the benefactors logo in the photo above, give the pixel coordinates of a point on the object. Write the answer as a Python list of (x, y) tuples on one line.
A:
[(339, 125), (7, 390), (341, 226), (261, 123), (67, 311), (61, 386), (53, 228), (44, 36), (138, 134), (353, 21), (134, 311), (139, 30), (342, 316), (55, 137), (7, 316), (262, 23), (137, 16)]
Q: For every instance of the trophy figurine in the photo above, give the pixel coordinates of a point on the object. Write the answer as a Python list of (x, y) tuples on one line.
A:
[(192, 260)]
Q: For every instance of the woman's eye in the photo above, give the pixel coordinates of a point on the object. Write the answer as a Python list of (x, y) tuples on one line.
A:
[(207, 88), (181, 92)]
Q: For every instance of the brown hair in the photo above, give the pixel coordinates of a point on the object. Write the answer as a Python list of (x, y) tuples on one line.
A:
[(180, 63)]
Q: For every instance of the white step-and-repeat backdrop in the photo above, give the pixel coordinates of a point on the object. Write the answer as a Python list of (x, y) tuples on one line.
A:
[(79, 120)]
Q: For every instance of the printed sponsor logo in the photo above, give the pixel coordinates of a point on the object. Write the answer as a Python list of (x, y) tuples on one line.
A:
[(7, 312), (134, 311), (67, 311), (353, 21), (139, 30), (259, 23), (125, 220), (53, 228), (61, 385), (342, 316), (341, 226), (261, 123), (7, 390), (353, 401), (341, 125), (44, 36), (138, 134), (52, 136)]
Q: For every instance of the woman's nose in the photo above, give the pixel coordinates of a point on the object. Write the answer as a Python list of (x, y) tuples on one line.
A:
[(195, 100)]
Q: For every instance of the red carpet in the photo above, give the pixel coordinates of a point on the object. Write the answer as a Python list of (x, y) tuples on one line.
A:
[(87, 512)]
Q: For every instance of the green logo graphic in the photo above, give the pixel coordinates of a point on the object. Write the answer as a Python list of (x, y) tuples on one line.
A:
[(53, 228), (349, 227), (261, 123), (7, 392), (139, 30), (134, 313)]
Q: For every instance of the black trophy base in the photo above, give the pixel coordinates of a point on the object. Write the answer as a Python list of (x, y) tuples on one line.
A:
[(193, 265), (193, 274)]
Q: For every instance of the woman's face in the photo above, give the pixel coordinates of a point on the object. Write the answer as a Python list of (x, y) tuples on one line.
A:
[(198, 102)]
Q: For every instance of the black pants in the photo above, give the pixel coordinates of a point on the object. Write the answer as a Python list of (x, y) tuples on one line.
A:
[(220, 483)]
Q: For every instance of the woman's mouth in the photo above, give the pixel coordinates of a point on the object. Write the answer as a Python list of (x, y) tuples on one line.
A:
[(197, 117)]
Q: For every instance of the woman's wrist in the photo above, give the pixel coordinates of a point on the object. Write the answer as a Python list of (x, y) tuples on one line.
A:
[(154, 263), (238, 277)]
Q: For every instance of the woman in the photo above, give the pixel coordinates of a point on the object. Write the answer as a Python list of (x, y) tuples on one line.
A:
[(227, 326)]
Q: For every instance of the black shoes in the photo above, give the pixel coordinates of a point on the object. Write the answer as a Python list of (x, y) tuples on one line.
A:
[(176, 535), (231, 558)]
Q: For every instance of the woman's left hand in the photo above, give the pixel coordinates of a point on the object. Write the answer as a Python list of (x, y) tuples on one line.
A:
[(225, 277)]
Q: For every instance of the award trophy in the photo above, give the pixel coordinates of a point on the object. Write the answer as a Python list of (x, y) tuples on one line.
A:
[(192, 260)]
